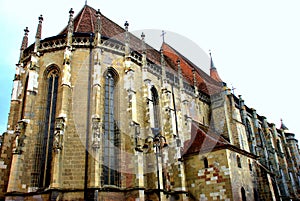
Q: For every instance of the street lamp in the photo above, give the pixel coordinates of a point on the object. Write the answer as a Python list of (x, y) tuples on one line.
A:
[(159, 142)]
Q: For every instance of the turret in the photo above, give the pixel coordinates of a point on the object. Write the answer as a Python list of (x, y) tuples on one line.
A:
[(70, 28), (98, 29), (38, 35), (24, 43), (213, 70), (195, 83)]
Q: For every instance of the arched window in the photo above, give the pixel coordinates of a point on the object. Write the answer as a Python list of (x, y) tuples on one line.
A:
[(260, 140), (278, 144), (49, 123), (250, 139), (249, 129), (205, 162), (238, 160), (111, 175), (243, 192), (156, 111)]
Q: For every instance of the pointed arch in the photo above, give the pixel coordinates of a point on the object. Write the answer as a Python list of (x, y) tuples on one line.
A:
[(249, 130), (260, 139), (111, 138), (156, 108), (51, 76)]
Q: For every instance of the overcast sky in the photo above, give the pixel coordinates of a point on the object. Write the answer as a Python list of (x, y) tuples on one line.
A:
[(255, 44)]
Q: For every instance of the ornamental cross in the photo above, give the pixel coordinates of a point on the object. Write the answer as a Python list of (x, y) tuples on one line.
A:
[(232, 89), (163, 33)]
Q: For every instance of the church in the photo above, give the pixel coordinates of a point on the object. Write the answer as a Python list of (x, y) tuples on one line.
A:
[(98, 114)]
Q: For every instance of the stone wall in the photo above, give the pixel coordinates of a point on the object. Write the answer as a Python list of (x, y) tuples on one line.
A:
[(5, 162)]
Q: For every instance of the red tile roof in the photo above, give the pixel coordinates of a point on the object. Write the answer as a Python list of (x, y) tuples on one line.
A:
[(204, 82), (214, 74), (202, 142), (85, 22)]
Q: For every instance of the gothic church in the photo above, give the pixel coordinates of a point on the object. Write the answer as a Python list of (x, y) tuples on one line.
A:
[(98, 114)]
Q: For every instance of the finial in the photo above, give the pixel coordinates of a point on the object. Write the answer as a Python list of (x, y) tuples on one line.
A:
[(25, 39), (98, 22), (39, 28), (194, 76), (98, 12), (70, 28), (143, 43), (163, 33), (41, 18), (178, 65), (85, 2), (26, 30), (71, 12), (212, 65), (126, 25), (232, 89), (143, 36), (178, 62)]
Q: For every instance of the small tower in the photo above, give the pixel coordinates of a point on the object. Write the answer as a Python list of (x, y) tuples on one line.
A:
[(127, 48), (283, 127), (213, 70), (38, 35), (144, 57), (24, 43), (98, 29), (70, 28), (163, 69), (196, 93)]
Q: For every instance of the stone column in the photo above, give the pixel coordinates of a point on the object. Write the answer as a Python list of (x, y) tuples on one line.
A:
[(57, 149), (16, 170), (62, 119)]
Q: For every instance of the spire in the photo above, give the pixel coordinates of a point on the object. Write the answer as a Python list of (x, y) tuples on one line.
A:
[(98, 22), (164, 81), (70, 27), (144, 54), (39, 28), (283, 127), (24, 42), (213, 70), (179, 70), (127, 50), (195, 82), (38, 35), (25, 39), (212, 65), (98, 29), (143, 43)]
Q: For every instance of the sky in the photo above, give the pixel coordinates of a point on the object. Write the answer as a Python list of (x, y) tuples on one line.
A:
[(255, 44)]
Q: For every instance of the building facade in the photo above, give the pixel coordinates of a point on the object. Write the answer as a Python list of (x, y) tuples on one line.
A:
[(98, 114)]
